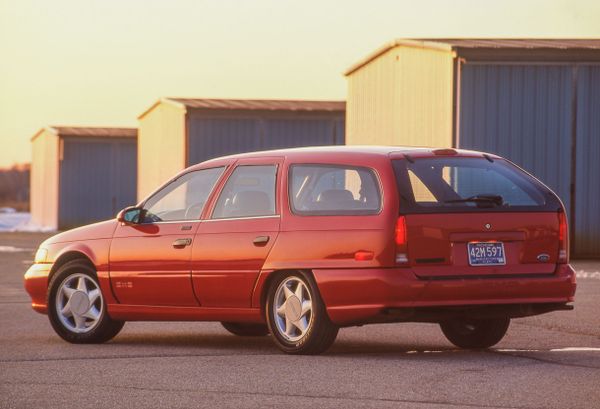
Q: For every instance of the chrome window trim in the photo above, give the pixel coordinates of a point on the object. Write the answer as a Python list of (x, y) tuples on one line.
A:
[(195, 221), (272, 216), (191, 221)]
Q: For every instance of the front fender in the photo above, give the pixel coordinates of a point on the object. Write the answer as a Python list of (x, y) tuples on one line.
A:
[(38, 277), (96, 251)]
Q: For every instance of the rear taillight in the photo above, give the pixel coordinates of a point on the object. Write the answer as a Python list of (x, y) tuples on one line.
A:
[(401, 241), (563, 238)]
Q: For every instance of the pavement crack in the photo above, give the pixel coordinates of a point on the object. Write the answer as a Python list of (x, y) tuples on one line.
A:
[(556, 329), (544, 360), (83, 358), (442, 403)]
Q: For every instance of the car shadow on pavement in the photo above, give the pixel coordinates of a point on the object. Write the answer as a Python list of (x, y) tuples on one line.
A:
[(214, 341), (352, 348), (195, 340)]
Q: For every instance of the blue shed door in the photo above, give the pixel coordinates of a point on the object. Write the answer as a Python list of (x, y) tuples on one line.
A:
[(530, 114), (521, 112), (97, 178), (283, 133), (211, 137), (587, 170)]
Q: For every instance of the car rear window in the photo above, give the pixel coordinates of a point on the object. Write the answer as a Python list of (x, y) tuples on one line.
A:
[(459, 184), (321, 190)]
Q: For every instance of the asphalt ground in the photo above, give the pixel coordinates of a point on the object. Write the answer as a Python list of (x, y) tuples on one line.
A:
[(548, 361)]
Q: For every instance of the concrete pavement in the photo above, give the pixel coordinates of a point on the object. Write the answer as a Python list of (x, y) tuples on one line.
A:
[(549, 361)]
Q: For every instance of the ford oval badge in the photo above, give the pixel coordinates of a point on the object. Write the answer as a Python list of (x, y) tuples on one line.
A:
[(543, 258)]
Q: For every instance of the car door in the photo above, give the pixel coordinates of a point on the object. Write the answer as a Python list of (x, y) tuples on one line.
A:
[(233, 242), (150, 260)]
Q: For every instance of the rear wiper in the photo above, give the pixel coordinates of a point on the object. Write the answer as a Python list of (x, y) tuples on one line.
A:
[(485, 199)]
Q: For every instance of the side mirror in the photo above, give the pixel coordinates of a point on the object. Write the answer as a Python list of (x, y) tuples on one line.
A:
[(129, 215)]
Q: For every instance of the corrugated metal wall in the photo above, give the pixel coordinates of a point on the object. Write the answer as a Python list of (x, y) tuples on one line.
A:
[(532, 112), (526, 113), (212, 136), (587, 171), (98, 177), (523, 113), (402, 97), (44, 180)]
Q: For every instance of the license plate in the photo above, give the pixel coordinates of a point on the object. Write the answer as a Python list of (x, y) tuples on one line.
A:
[(486, 254)]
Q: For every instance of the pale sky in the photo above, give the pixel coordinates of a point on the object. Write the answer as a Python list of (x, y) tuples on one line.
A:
[(103, 62)]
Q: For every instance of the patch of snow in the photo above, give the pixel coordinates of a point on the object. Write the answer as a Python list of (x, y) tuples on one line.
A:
[(587, 274), (19, 221), (11, 249)]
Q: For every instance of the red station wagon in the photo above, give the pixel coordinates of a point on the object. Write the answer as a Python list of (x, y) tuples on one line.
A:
[(300, 242)]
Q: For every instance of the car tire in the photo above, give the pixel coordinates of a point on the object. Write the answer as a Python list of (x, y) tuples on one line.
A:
[(475, 334), (246, 329), (76, 305), (296, 315)]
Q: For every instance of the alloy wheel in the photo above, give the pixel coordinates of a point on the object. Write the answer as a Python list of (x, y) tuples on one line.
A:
[(79, 303), (292, 309)]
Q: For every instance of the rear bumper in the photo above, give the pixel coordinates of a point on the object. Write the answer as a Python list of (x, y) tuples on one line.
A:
[(397, 294)]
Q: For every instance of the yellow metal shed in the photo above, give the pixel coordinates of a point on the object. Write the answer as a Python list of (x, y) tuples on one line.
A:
[(401, 94)]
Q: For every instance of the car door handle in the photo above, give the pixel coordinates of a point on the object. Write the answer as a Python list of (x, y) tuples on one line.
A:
[(261, 240), (181, 243)]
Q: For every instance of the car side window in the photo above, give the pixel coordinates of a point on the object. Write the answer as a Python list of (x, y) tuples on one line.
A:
[(249, 192), (182, 199), (333, 190)]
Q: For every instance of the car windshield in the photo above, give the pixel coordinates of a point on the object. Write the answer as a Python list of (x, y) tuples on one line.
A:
[(454, 184)]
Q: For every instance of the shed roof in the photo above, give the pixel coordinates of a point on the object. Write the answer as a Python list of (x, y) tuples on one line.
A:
[(88, 131), (252, 104), (405, 42), (497, 44), (555, 43), (262, 104)]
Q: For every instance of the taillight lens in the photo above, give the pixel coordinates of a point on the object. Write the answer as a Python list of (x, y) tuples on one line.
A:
[(401, 231), (401, 241), (563, 238)]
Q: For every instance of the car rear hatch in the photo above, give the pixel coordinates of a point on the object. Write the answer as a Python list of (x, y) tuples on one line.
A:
[(474, 217)]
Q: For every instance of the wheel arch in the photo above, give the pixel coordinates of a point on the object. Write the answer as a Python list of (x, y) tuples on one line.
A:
[(69, 256), (85, 254), (264, 285)]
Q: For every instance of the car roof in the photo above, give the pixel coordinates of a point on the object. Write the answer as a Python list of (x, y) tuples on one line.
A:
[(305, 153)]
